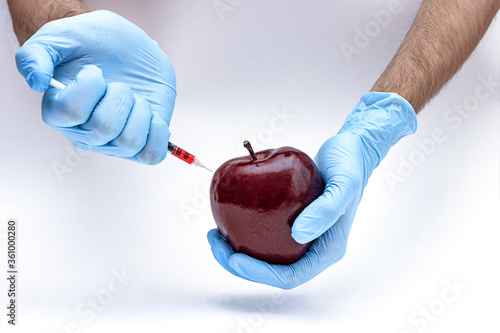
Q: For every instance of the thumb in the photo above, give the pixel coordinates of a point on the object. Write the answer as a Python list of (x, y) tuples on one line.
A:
[(46, 49), (322, 213), (35, 61)]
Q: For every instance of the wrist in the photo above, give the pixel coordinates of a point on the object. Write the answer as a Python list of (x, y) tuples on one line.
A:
[(381, 120), (411, 77), (58, 9)]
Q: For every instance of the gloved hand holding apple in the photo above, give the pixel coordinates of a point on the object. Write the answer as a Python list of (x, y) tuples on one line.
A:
[(345, 162), (256, 199)]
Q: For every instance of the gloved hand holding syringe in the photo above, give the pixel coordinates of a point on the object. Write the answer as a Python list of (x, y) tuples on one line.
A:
[(172, 149)]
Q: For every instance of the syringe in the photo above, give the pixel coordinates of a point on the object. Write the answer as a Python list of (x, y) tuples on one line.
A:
[(172, 149)]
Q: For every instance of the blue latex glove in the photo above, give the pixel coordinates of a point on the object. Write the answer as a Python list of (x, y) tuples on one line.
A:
[(120, 85), (345, 161)]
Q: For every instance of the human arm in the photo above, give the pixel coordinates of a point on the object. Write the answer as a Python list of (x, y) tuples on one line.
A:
[(121, 87), (441, 38), (428, 57), (30, 15)]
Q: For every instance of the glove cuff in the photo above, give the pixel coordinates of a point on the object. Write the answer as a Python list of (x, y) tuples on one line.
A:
[(381, 120)]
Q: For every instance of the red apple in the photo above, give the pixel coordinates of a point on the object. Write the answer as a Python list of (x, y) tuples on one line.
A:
[(255, 201)]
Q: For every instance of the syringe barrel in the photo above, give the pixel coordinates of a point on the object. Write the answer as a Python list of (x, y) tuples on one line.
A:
[(181, 153)]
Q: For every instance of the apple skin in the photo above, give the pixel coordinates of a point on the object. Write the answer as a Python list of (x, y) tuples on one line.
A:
[(254, 203)]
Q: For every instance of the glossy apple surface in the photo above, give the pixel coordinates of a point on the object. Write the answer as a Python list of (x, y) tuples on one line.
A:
[(255, 203)]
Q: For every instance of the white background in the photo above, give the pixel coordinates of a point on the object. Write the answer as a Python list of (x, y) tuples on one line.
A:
[(441, 223)]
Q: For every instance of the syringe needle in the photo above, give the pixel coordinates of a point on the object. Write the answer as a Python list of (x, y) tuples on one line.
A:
[(208, 169)]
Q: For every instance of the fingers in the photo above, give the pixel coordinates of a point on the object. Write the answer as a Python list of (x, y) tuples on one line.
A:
[(324, 252), (74, 105), (221, 250), (151, 153), (38, 57), (322, 213), (110, 114), (133, 137), (110, 119), (34, 62), (135, 134), (144, 138), (280, 276), (156, 147)]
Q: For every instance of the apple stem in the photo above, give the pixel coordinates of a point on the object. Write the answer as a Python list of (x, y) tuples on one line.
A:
[(248, 146)]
